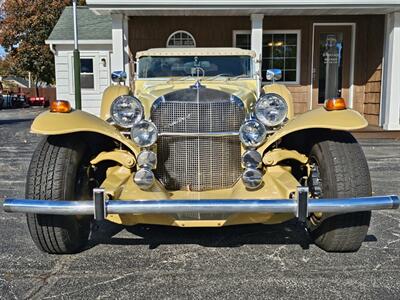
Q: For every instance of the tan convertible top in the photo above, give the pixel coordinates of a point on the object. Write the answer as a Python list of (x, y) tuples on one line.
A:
[(196, 52)]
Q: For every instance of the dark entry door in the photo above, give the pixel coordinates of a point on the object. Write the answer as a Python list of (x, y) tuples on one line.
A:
[(331, 63)]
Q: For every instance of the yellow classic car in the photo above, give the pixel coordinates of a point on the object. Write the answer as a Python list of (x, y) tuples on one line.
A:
[(198, 142)]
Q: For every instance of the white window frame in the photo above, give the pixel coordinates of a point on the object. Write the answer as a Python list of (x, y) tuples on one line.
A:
[(181, 31), (298, 52), (92, 73), (89, 55)]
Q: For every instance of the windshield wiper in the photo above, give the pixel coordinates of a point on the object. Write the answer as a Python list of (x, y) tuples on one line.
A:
[(239, 76), (218, 76), (183, 78)]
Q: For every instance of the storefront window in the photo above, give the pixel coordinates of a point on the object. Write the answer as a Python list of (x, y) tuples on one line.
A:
[(280, 51)]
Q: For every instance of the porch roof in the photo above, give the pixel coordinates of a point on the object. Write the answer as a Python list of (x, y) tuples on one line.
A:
[(243, 7)]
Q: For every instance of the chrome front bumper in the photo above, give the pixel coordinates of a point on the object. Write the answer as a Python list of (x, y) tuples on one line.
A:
[(301, 207)]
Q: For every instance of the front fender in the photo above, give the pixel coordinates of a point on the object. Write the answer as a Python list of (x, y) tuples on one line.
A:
[(319, 118), (49, 123)]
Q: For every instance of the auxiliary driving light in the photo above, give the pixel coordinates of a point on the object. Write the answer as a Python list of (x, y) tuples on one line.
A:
[(252, 133), (147, 159), (252, 178), (144, 178), (251, 159), (144, 134)]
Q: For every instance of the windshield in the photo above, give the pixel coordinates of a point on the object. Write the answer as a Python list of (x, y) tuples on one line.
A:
[(181, 66)]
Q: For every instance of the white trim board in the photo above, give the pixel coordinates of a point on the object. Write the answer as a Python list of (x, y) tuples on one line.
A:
[(352, 59), (71, 42)]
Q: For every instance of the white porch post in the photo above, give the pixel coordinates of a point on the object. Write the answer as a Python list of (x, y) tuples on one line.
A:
[(390, 112), (257, 39), (119, 56)]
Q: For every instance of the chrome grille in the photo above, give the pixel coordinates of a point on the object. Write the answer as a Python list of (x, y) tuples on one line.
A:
[(198, 163)]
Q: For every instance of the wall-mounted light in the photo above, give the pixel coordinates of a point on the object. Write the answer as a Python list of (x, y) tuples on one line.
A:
[(104, 62)]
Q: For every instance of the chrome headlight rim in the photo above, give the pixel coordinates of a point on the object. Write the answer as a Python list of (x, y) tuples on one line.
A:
[(254, 142), (136, 137), (117, 121), (262, 118)]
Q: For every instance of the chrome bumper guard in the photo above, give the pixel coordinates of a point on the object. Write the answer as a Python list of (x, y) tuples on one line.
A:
[(301, 207)]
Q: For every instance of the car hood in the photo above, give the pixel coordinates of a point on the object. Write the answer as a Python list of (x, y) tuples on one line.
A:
[(149, 91)]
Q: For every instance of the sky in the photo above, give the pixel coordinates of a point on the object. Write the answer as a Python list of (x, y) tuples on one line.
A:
[(1, 51)]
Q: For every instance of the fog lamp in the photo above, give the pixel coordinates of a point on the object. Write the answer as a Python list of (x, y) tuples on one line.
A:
[(144, 178), (252, 133), (252, 178), (147, 159), (251, 159), (144, 134)]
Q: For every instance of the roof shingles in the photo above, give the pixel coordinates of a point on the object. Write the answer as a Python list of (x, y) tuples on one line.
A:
[(90, 26)]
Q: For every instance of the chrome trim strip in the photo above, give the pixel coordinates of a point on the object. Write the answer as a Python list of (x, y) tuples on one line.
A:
[(343, 205), (200, 134)]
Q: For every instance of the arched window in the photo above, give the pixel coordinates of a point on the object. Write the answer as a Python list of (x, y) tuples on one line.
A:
[(181, 39)]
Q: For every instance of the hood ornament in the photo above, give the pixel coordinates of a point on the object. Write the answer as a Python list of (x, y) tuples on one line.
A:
[(197, 85)]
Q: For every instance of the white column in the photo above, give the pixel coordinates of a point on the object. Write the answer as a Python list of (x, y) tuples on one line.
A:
[(390, 111), (118, 52), (257, 38)]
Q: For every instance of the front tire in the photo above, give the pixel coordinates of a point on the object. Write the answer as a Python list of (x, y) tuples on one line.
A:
[(55, 173), (343, 172)]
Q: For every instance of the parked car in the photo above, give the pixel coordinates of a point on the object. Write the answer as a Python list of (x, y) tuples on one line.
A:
[(14, 100), (38, 101), (1, 101), (198, 143), (19, 100)]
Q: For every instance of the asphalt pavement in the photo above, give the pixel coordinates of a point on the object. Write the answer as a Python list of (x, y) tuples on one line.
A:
[(139, 262)]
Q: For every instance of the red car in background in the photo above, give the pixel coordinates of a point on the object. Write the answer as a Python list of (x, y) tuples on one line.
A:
[(38, 101)]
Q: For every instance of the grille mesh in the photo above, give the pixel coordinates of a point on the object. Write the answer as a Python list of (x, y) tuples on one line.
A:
[(198, 163)]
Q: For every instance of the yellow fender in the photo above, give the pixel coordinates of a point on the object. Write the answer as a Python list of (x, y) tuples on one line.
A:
[(49, 123), (319, 118)]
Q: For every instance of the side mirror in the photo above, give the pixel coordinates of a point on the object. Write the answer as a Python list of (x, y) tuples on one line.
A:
[(118, 76), (274, 74)]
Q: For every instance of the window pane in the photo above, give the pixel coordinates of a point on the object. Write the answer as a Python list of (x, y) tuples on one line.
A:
[(291, 39), (279, 39), (278, 51), (290, 63), (289, 75), (87, 81), (243, 41), (267, 40), (267, 64), (86, 65), (278, 64), (290, 51)]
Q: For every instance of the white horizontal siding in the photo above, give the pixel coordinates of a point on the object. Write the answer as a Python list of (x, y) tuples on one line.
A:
[(91, 99)]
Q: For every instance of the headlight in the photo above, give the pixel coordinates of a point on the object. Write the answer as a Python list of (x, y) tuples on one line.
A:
[(271, 110), (126, 111), (252, 133), (144, 134)]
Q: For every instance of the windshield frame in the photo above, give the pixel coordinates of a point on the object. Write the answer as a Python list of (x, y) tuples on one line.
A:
[(252, 75)]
